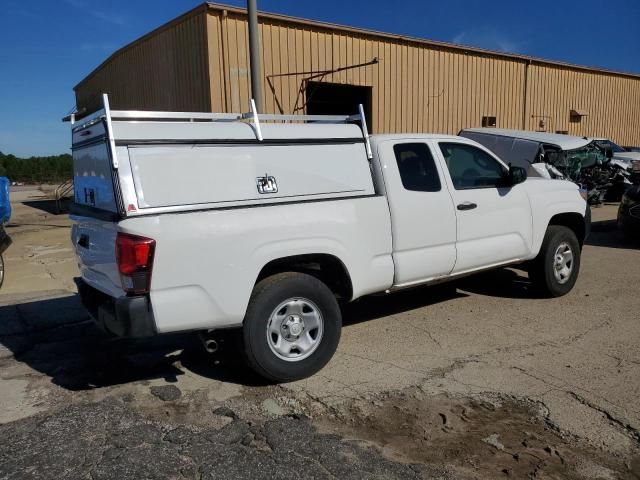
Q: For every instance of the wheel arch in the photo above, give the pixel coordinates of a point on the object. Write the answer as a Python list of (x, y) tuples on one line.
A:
[(573, 221), (327, 268)]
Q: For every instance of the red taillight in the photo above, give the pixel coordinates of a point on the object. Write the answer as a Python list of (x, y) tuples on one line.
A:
[(134, 255)]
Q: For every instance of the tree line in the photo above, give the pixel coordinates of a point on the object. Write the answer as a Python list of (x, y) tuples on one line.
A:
[(52, 169)]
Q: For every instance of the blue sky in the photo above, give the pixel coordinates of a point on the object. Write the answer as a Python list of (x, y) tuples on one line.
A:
[(46, 47)]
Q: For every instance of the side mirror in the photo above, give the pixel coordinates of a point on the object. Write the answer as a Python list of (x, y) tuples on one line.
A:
[(517, 175)]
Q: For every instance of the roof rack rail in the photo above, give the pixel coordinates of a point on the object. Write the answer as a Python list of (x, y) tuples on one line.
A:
[(143, 115)]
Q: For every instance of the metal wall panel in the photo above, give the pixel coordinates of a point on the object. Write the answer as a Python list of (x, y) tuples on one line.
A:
[(419, 87), (612, 103), (414, 89), (165, 70), (200, 62)]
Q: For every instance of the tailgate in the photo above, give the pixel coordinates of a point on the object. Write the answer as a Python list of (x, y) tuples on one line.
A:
[(94, 177), (96, 208), (94, 241)]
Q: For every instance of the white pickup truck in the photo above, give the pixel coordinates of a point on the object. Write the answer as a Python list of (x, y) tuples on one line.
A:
[(202, 222)]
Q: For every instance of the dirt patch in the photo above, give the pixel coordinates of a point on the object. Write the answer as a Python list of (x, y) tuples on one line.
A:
[(497, 437), (480, 439)]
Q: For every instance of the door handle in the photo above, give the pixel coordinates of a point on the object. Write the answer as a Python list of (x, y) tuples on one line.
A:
[(467, 206)]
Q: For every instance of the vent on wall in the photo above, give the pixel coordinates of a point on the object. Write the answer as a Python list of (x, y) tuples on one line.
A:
[(575, 115), (563, 132), (488, 121)]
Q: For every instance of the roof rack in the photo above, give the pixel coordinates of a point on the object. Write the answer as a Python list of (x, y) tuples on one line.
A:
[(143, 115)]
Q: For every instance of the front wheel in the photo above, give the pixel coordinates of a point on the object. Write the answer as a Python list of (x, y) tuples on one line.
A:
[(1, 270), (291, 328), (555, 270)]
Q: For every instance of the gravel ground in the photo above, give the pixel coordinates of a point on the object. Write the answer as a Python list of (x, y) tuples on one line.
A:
[(107, 440), (478, 380)]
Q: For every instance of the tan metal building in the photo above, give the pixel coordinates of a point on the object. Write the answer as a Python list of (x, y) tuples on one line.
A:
[(200, 62)]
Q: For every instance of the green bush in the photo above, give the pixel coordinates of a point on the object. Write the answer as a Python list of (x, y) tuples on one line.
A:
[(52, 169)]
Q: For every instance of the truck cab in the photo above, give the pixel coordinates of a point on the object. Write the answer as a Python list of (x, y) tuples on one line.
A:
[(453, 207)]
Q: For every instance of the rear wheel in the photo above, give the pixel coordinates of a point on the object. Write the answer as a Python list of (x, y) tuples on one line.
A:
[(555, 270), (1, 270), (291, 328)]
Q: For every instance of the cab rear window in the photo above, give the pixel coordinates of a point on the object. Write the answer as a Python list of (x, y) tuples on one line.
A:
[(417, 168)]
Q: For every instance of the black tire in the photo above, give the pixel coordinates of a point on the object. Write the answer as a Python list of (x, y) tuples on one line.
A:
[(627, 232), (1, 270), (269, 294), (542, 270)]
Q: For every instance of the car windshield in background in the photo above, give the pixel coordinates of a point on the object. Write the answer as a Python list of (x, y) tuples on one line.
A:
[(615, 148)]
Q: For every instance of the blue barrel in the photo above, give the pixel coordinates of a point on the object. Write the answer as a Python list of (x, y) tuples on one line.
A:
[(5, 205)]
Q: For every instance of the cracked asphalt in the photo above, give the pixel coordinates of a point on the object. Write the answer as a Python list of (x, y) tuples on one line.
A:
[(556, 381)]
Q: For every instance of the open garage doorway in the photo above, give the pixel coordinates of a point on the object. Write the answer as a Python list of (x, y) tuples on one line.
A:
[(338, 99)]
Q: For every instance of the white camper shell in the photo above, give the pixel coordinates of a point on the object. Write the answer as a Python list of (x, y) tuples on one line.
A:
[(165, 161)]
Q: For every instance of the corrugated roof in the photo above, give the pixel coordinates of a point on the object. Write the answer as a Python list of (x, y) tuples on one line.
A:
[(364, 32)]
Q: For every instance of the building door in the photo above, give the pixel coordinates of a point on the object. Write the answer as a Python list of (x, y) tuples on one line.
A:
[(338, 99)]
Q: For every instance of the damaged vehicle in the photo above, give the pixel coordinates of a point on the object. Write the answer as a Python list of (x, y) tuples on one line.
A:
[(629, 209), (585, 161), (620, 155), (629, 212)]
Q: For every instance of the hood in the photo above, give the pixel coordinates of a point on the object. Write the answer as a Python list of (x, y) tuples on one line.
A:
[(549, 184), (626, 156), (618, 162)]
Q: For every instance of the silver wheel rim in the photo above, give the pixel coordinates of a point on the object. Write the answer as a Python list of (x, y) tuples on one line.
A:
[(563, 263), (295, 329)]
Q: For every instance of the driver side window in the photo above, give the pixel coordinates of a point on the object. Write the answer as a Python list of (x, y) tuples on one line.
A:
[(471, 167)]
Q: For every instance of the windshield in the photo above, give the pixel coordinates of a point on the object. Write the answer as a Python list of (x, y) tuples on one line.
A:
[(608, 143)]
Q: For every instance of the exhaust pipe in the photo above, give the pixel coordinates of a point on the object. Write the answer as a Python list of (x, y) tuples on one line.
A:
[(211, 346), (209, 343)]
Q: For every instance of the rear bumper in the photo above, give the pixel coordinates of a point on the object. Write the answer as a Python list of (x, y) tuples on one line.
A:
[(123, 316)]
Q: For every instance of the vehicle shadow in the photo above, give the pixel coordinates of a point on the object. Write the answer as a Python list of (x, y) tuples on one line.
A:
[(605, 233), (55, 337), (384, 305), (503, 283), (49, 206)]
